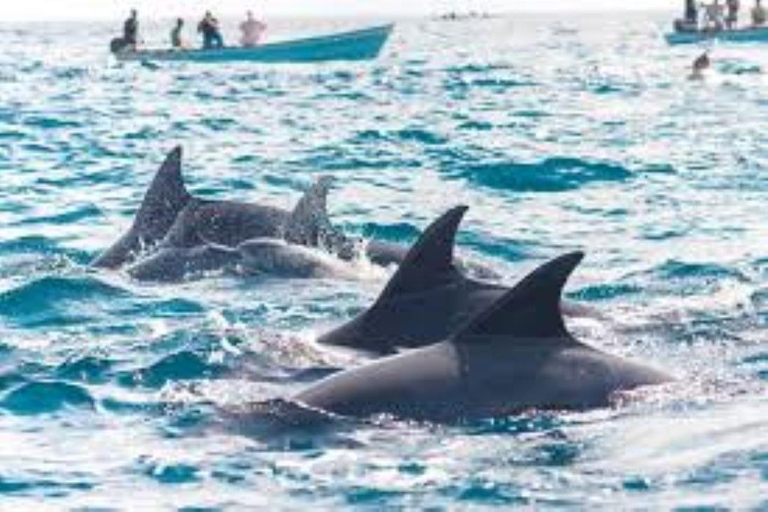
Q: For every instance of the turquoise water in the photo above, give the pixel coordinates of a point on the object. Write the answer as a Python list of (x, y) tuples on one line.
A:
[(580, 134)]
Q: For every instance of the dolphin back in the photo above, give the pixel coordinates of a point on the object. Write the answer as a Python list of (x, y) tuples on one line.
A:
[(163, 201), (530, 310), (394, 320), (309, 223)]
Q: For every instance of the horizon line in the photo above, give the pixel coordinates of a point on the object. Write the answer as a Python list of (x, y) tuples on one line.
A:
[(103, 17)]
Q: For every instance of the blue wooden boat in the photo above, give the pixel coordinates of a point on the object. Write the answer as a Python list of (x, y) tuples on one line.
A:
[(744, 35), (362, 44)]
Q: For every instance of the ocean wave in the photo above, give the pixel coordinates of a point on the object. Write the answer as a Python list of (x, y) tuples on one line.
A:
[(550, 175), (77, 214), (55, 300), (39, 487), (42, 397), (676, 269), (417, 135), (602, 292), (179, 366), (495, 246), (89, 369), (400, 232)]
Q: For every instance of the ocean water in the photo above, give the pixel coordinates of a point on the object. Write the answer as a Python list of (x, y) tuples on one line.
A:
[(581, 133)]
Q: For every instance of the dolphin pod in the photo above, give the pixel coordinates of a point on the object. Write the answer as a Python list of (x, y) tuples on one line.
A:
[(516, 355), (476, 349), (179, 234), (427, 298), (182, 233)]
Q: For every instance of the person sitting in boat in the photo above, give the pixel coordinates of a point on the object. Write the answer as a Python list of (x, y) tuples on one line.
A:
[(252, 30), (759, 16), (690, 20), (209, 27), (733, 14), (131, 31), (691, 13), (713, 16), (177, 43), (130, 35)]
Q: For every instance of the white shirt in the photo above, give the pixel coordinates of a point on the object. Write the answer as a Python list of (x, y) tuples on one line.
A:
[(252, 31)]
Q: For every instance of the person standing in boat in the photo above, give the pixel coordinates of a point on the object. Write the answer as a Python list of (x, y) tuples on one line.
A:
[(131, 31), (690, 20), (252, 30), (759, 16), (209, 27), (713, 16), (177, 43), (733, 14), (691, 13)]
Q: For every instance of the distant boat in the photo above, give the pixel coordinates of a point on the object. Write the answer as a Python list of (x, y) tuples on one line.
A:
[(743, 35), (364, 44), (456, 16)]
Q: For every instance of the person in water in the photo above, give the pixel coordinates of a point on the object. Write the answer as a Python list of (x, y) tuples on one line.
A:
[(700, 65), (131, 31), (733, 14), (252, 30), (176, 41), (209, 27), (759, 16)]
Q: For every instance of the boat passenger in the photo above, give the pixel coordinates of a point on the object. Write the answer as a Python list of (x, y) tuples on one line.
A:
[(131, 31), (252, 30), (691, 13), (759, 15), (713, 16), (209, 27), (176, 42), (733, 14)]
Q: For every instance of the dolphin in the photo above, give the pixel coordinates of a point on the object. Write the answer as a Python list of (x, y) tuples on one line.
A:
[(170, 218), (515, 356), (163, 201), (426, 299), (173, 264), (231, 237), (230, 223), (189, 230), (259, 256)]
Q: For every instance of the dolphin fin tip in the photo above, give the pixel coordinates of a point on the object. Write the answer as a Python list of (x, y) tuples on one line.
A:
[(530, 310)]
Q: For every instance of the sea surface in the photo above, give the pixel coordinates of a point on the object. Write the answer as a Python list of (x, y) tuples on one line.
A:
[(579, 133)]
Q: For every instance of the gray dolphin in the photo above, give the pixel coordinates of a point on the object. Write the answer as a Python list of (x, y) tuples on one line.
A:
[(259, 256), (165, 198), (515, 356), (170, 217), (426, 299), (172, 264), (231, 237), (230, 223)]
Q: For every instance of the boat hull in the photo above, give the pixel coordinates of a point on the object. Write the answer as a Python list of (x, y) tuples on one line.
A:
[(365, 44), (748, 35)]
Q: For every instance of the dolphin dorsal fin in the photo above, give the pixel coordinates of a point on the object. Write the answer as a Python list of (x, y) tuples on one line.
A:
[(164, 199), (530, 310), (309, 218), (429, 262)]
